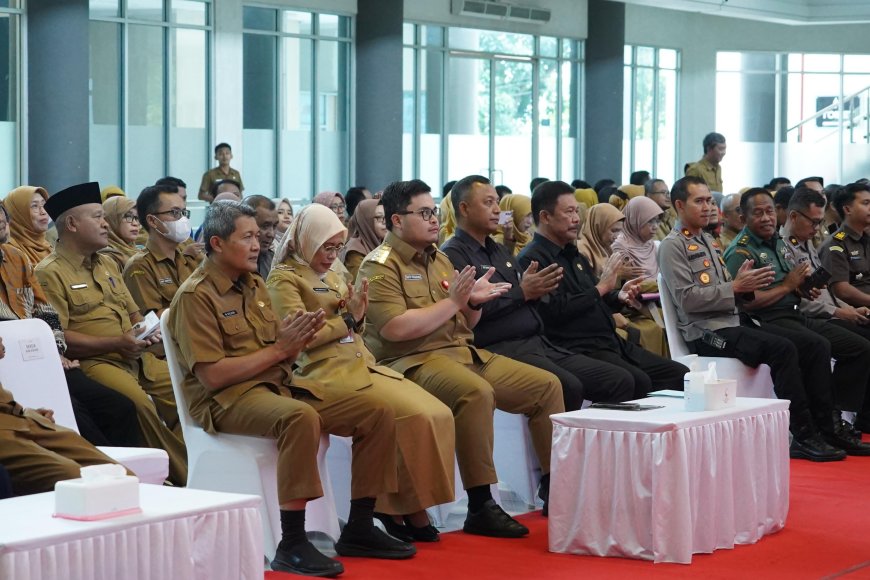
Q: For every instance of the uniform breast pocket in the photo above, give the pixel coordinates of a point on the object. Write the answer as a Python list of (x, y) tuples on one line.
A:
[(237, 333), (268, 331), (416, 292), (83, 301)]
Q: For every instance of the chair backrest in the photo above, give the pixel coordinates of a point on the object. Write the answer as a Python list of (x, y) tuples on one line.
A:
[(176, 374), (32, 370), (669, 311)]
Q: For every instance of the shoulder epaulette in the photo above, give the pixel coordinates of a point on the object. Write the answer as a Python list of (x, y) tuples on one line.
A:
[(793, 240), (686, 232), (285, 267), (744, 239), (840, 235), (834, 248), (380, 254)]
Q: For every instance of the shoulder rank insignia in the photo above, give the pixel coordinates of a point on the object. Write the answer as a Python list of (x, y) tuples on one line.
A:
[(743, 252), (744, 239), (686, 232), (375, 278), (793, 240), (834, 248), (692, 247), (840, 236), (380, 254), (715, 244), (704, 278)]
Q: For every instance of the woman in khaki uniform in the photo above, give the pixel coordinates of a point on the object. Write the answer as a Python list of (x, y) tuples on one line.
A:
[(367, 230), (28, 221), (120, 214), (337, 357)]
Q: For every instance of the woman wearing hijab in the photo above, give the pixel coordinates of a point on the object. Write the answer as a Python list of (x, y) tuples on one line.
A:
[(334, 201), (603, 223), (635, 242), (586, 196), (515, 234), (120, 214), (367, 229), (304, 280), (447, 226), (28, 221)]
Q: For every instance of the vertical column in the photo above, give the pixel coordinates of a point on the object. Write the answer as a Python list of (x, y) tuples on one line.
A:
[(605, 47), (57, 92), (378, 92)]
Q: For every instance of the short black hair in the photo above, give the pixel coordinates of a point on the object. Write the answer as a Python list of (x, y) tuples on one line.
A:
[(680, 188), (783, 196), (463, 187), (255, 201), (750, 194), (536, 182), (503, 190), (639, 177), (149, 200), (711, 140), (169, 180), (214, 186), (352, 198), (805, 180), (602, 183), (580, 184), (778, 181), (605, 193), (846, 195), (830, 190), (398, 196), (546, 196), (803, 198), (220, 146), (445, 191)]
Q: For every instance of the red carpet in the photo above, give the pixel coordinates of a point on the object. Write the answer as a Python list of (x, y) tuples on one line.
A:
[(827, 535)]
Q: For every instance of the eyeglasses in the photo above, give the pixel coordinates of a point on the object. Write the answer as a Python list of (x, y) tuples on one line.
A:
[(426, 213), (380, 219), (665, 192), (816, 223), (332, 249), (130, 218), (176, 213), (337, 207)]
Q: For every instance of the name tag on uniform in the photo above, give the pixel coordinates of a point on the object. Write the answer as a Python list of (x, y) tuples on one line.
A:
[(229, 313), (166, 281), (321, 290), (413, 276), (78, 286), (347, 339)]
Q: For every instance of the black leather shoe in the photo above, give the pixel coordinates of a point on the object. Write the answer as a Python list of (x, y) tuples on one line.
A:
[(304, 559), (842, 438), (371, 542), (427, 533), (492, 521), (814, 448), (398, 531), (862, 424), (544, 494)]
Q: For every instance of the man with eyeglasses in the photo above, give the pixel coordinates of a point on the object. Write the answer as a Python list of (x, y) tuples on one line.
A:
[(98, 315), (419, 321), (154, 274), (732, 220), (267, 221), (657, 190), (777, 308)]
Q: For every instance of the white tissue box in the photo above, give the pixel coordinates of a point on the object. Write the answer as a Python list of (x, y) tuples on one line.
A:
[(99, 494), (720, 394)]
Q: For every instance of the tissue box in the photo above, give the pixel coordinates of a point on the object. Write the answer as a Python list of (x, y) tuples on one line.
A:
[(720, 394), (97, 495)]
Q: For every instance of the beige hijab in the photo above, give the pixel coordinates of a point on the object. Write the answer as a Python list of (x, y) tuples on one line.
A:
[(313, 225), (363, 238), (599, 219), (638, 212), (114, 209), (521, 206), (21, 232)]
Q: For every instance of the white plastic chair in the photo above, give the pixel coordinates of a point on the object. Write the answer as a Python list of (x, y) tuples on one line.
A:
[(32, 371), (244, 464), (515, 458), (750, 382)]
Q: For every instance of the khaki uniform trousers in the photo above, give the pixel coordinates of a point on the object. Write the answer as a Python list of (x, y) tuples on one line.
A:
[(38, 456), (146, 378), (474, 391)]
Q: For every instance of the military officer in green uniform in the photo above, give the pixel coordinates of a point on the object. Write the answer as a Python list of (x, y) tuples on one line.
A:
[(846, 254), (778, 305)]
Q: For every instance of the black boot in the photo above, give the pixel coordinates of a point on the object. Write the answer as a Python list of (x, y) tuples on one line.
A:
[(807, 443)]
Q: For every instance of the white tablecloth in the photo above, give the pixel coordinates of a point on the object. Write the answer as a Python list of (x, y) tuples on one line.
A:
[(666, 483), (180, 533)]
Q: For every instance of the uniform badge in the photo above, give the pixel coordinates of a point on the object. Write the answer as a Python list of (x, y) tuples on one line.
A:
[(579, 266), (165, 281), (261, 304), (854, 252), (321, 290), (78, 286), (380, 254), (686, 232), (229, 313), (445, 284), (342, 303), (704, 278), (692, 247), (840, 236), (715, 244), (375, 278), (413, 277), (793, 240), (836, 248), (763, 256), (706, 263), (509, 265)]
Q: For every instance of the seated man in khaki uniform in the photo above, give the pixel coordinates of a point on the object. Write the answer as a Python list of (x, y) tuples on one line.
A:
[(419, 323), (36, 452), (238, 358), (98, 314), (154, 275)]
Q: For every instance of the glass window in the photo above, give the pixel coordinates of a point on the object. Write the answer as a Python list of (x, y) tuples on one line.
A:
[(105, 103), (145, 10), (332, 25), (856, 63), (192, 12), (491, 41), (408, 33), (549, 46), (188, 102), (10, 141), (729, 61), (333, 151), (821, 63), (104, 8), (432, 35), (259, 18), (667, 58), (260, 71), (296, 176), (295, 22), (645, 56), (145, 114), (468, 115)]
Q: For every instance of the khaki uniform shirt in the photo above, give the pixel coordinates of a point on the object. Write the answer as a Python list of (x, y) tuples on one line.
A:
[(797, 253), (726, 236), (711, 174), (401, 279), (89, 295), (846, 255), (667, 223), (699, 284), (153, 277), (337, 356), (216, 174), (212, 318)]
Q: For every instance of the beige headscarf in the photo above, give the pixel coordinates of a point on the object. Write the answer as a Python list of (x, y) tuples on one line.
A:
[(362, 229), (600, 219), (111, 191), (448, 220), (587, 196), (314, 224), (114, 209), (638, 212), (21, 232), (521, 206)]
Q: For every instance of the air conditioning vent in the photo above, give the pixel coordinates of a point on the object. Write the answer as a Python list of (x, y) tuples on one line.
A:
[(500, 11)]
